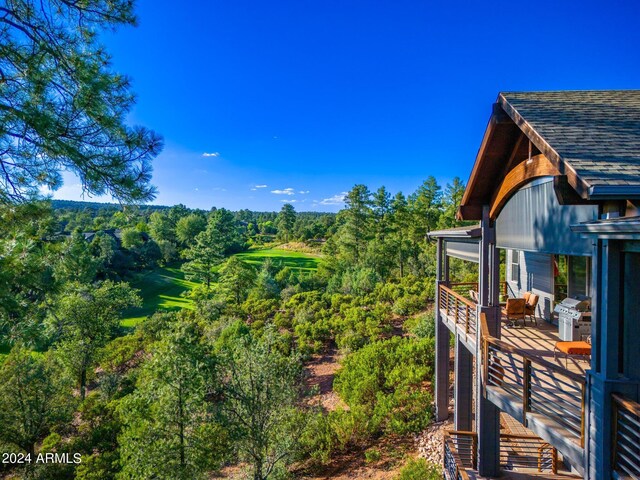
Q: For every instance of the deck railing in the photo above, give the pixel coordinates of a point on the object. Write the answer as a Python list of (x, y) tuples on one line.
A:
[(526, 451), (455, 465), (541, 386), (626, 438), (460, 309), (464, 288), (516, 452), (456, 301)]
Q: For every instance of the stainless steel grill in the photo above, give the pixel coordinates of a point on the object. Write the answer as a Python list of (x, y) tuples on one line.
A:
[(574, 318)]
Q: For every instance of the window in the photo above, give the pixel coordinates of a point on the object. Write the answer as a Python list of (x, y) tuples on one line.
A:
[(579, 276), (515, 265)]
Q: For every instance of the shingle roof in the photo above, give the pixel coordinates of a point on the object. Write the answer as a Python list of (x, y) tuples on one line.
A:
[(596, 133)]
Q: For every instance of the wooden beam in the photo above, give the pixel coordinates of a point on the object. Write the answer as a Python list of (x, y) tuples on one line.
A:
[(524, 172)]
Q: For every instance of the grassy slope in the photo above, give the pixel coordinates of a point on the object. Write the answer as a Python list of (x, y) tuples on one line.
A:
[(301, 262), (160, 289)]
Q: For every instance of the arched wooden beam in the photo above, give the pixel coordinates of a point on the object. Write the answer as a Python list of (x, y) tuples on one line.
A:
[(524, 172)]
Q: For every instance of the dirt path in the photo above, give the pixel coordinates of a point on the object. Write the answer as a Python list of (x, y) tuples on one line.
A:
[(321, 371)]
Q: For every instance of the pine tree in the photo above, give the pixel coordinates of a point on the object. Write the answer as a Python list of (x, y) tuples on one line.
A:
[(286, 220), (236, 278), (33, 398), (85, 319), (220, 238), (356, 229), (61, 105), (169, 431)]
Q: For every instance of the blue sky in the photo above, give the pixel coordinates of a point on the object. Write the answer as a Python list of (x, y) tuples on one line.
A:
[(299, 100)]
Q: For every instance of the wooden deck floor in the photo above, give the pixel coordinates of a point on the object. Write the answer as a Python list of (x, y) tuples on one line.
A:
[(539, 340)]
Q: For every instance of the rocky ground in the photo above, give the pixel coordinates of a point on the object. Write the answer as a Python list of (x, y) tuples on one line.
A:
[(430, 444)]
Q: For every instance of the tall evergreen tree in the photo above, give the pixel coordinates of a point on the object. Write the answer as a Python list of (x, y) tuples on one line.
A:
[(286, 220), (356, 227), (401, 219), (220, 238), (237, 278), (61, 105), (451, 202), (260, 407), (169, 430)]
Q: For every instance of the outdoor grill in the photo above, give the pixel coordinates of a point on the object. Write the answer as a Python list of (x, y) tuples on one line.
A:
[(574, 318)]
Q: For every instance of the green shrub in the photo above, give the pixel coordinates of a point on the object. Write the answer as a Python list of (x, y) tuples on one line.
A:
[(423, 325), (419, 469), (387, 381), (409, 304), (372, 455)]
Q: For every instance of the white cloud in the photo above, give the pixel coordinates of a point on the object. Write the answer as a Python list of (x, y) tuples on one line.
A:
[(261, 186), (337, 199), (293, 200), (212, 154), (286, 191), (303, 192)]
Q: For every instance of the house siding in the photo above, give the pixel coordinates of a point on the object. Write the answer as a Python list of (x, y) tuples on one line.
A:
[(534, 221), (536, 276)]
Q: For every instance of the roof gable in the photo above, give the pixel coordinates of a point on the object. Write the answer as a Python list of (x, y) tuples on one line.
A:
[(591, 136)]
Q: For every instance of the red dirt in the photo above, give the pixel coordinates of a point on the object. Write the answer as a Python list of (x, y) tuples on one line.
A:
[(320, 374)]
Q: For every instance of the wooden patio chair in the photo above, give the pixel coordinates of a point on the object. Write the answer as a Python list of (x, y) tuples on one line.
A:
[(530, 308), (514, 310)]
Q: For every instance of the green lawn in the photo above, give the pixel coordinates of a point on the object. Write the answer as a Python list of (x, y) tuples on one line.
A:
[(160, 290), (297, 261)]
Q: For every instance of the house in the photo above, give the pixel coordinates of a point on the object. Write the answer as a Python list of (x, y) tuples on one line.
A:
[(556, 191)]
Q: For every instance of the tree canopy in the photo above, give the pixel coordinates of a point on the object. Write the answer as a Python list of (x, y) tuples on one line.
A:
[(62, 107)]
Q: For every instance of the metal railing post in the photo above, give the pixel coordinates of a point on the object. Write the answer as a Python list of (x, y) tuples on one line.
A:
[(526, 389)]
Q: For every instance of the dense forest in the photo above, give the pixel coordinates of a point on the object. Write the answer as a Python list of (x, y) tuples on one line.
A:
[(145, 342), (221, 380)]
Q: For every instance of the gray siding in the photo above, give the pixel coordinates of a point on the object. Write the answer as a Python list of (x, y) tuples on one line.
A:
[(534, 221), (536, 275)]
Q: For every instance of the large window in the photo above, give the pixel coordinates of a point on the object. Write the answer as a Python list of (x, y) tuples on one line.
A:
[(579, 276), (572, 276)]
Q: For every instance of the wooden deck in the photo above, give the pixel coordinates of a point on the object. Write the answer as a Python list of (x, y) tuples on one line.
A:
[(523, 455), (521, 375), (538, 341)]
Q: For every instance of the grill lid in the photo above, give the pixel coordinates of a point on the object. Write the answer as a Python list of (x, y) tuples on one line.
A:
[(582, 304)]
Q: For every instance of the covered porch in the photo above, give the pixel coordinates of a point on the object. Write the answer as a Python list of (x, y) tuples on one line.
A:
[(518, 369)]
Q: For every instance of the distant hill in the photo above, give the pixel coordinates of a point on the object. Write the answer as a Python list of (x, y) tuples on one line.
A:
[(74, 205)]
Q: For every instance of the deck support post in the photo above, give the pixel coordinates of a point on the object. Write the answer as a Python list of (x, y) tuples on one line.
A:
[(606, 309), (442, 340), (463, 388), (487, 414)]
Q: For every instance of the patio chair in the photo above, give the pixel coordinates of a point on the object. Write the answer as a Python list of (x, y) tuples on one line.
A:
[(530, 307), (514, 311)]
